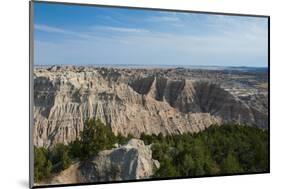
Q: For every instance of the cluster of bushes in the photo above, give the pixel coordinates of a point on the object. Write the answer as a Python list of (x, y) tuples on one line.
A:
[(47, 161), (95, 137), (226, 149)]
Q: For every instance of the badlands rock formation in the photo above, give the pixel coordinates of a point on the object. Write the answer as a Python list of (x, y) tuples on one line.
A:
[(129, 162), (131, 103)]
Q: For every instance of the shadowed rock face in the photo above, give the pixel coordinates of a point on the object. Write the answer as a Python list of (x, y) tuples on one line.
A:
[(129, 162), (204, 97), (132, 104)]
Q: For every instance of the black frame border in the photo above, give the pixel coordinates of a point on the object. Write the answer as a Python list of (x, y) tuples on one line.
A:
[(31, 64)]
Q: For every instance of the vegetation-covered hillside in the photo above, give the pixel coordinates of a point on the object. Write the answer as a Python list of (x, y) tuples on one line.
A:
[(226, 149)]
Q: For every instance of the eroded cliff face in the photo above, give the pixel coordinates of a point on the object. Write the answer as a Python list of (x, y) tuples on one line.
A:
[(128, 162), (131, 104)]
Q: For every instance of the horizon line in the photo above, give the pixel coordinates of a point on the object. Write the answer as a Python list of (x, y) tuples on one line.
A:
[(152, 65)]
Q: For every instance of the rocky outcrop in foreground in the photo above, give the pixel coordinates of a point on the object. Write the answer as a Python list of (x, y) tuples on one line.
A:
[(128, 162), (133, 104)]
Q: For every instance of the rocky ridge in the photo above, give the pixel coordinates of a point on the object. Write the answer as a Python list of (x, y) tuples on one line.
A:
[(132, 104), (128, 162)]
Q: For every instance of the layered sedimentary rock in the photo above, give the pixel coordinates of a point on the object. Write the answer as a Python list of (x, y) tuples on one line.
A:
[(128, 162), (65, 98)]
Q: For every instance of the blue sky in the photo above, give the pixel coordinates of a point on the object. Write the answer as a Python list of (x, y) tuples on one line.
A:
[(79, 35)]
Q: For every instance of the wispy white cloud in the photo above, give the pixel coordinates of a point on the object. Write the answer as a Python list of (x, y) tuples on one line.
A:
[(170, 18), (120, 29), (51, 29), (237, 26), (94, 33)]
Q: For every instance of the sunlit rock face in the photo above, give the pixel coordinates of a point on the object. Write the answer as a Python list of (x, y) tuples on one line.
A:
[(131, 102), (128, 162)]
